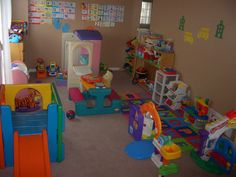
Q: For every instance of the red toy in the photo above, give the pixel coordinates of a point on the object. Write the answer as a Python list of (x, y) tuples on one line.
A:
[(70, 114), (231, 114)]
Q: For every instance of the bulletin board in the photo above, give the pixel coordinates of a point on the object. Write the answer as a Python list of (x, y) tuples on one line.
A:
[(103, 15), (44, 11)]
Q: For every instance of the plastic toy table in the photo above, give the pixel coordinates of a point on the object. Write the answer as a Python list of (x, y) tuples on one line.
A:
[(94, 88), (92, 81)]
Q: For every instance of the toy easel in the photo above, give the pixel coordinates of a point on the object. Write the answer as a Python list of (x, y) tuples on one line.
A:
[(83, 56)]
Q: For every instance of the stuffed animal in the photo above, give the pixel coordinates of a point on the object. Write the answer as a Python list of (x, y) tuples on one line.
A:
[(107, 78), (14, 38)]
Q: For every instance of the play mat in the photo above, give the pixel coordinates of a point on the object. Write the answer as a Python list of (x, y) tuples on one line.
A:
[(173, 124)]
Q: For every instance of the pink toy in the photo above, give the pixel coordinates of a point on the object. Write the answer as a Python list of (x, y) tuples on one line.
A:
[(19, 72), (75, 94)]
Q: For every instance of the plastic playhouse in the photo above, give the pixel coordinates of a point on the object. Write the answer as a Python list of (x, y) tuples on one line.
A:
[(84, 82), (83, 56), (30, 139)]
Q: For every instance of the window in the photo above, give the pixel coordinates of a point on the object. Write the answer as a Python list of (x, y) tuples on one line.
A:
[(145, 15)]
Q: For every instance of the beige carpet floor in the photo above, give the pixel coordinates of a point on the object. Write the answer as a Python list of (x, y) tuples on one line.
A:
[(94, 144)]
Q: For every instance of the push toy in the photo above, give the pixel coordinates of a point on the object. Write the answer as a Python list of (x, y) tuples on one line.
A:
[(166, 150), (217, 154)]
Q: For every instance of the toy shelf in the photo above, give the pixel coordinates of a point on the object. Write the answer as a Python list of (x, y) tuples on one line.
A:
[(160, 90), (166, 60), (17, 51), (177, 91)]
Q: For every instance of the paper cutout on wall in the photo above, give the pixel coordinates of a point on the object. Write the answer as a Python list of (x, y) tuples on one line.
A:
[(57, 23), (220, 29), (102, 14), (188, 37), (203, 33), (181, 23), (65, 28)]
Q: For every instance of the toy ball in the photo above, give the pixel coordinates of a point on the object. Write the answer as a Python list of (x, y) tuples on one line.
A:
[(70, 114)]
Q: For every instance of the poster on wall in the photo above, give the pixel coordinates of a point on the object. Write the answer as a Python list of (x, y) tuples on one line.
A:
[(44, 11), (103, 15)]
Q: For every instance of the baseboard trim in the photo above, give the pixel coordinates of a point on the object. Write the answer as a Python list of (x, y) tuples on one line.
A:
[(32, 70), (114, 68)]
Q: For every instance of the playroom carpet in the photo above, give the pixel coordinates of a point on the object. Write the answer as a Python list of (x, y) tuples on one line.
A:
[(94, 145)]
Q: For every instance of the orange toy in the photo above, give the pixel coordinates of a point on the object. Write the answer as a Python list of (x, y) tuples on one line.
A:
[(91, 78), (150, 107), (31, 156), (41, 69)]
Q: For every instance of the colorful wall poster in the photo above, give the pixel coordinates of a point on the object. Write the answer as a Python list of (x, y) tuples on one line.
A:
[(43, 11), (103, 15)]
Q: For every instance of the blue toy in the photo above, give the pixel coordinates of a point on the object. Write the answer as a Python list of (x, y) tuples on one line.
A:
[(52, 69), (14, 38), (140, 149), (224, 154)]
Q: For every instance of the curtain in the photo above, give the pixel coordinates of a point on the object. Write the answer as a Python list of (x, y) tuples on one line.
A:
[(5, 58)]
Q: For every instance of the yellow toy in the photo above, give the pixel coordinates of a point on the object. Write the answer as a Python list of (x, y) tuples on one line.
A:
[(12, 90)]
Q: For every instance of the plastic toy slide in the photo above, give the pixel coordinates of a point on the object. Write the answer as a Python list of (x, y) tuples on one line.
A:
[(31, 156)]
